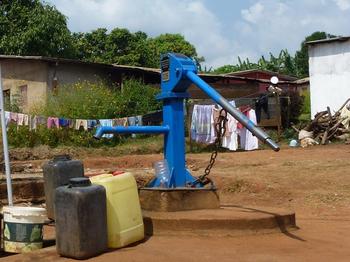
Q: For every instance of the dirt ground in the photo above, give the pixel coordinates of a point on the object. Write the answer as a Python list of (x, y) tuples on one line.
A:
[(314, 182)]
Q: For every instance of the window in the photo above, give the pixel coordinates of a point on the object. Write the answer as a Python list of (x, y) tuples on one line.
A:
[(24, 95), (7, 99)]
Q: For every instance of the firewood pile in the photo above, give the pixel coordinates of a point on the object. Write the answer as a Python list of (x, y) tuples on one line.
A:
[(326, 127)]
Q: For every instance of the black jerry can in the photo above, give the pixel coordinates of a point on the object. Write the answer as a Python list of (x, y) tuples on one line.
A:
[(81, 219), (57, 172)]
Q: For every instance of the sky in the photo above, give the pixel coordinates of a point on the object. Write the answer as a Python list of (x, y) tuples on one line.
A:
[(221, 30)]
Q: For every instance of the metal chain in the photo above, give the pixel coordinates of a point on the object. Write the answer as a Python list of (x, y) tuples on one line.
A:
[(220, 128)]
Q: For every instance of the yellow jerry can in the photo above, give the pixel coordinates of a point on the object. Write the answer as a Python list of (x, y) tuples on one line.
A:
[(124, 217)]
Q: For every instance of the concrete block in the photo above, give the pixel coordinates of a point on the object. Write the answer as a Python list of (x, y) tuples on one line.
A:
[(179, 199)]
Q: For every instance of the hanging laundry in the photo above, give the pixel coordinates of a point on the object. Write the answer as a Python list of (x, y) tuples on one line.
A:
[(7, 117), (71, 123), (120, 121), (202, 124), (36, 121), (91, 124), (26, 120), (262, 103), (63, 122), (134, 121), (106, 122), (13, 117), (247, 139), (20, 119), (53, 122), (81, 123), (230, 139)]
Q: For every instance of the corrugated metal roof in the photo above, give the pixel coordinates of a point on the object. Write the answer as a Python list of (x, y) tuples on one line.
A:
[(53, 59), (302, 81), (329, 40), (262, 71)]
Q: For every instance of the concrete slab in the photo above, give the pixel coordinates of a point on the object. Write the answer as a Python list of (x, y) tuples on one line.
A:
[(225, 221), (178, 199)]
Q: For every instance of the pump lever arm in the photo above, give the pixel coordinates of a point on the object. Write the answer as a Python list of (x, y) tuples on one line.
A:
[(258, 132)]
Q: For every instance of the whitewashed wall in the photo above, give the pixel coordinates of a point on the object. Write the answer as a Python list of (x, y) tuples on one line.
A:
[(329, 67)]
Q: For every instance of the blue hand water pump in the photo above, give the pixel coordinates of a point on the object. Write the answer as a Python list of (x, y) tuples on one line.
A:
[(178, 72)]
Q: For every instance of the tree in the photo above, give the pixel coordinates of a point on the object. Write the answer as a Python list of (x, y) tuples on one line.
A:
[(126, 48), (120, 46), (172, 43), (29, 27), (91, 46), (302, 56)]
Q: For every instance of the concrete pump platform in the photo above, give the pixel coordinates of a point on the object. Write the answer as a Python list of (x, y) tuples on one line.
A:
[(224, 221), (178, 199)]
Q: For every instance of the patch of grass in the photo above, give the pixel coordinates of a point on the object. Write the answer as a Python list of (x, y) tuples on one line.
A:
[(237, 186)]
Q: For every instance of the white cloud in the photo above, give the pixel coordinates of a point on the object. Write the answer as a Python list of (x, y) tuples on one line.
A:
[(219, 34), (343, 4), (270, 25), (254, 13)]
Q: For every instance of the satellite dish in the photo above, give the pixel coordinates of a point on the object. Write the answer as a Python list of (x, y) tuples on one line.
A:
[(274, 80)]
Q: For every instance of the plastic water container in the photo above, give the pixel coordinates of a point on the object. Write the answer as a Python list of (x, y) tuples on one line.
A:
[(81, 219), (23, 228), (162, 172), (124, 217), (57, 172)]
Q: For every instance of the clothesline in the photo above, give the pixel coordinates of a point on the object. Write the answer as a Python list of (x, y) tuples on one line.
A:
[(34, 121)]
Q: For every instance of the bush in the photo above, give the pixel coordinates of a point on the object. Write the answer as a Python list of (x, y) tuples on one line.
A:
[(85, 100)]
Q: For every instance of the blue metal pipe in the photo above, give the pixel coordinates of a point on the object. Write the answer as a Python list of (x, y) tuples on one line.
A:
[(259, 133), (130, 130)]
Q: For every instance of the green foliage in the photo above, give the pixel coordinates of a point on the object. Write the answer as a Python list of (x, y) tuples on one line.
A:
[(29, 27), (172, 43), (82, 100), (21, 136), (121, 46), (306, 108), (289, 134), (283, 63), (85, 100), (136, 98)]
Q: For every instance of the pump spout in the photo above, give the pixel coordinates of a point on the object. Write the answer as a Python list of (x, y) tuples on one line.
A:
[(259, 133)]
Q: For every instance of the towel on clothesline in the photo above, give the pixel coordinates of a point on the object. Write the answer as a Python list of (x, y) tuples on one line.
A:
[(81, 123), (202, 124)]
